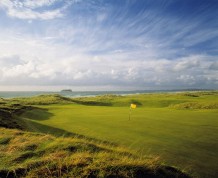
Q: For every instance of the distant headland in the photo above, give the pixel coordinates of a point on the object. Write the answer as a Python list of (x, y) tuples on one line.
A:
[(66, 90)]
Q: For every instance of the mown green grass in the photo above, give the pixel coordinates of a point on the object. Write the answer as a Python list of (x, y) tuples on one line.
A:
[(162, 125)]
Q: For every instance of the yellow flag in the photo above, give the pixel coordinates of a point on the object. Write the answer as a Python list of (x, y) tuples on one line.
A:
[(133, 106)]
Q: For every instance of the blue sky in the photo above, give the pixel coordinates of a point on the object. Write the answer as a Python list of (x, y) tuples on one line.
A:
[(108, 44)]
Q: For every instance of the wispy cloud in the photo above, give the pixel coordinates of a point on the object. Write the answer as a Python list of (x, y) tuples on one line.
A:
[(31, 9)]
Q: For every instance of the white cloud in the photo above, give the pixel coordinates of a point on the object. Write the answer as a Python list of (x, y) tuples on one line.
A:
[(39, 3), (83, 70), (42, 61), (29, 14), (187, 63), (214, 65), (101, 17), (29, 9), (8, 61), (49, 63)]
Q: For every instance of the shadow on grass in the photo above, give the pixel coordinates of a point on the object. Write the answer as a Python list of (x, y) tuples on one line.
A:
[(41, 114), (135, 102), (91, 103), (35, 114), (45, 129), (112, 172), (38, 114)]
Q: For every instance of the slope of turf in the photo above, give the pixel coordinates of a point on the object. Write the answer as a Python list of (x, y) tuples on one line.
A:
[(161, 125), (25, 154)]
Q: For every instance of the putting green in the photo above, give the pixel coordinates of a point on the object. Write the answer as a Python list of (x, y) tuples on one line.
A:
[(184, 138)]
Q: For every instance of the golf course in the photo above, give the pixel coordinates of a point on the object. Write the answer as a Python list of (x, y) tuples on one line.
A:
[(177, 129), (108, 88)]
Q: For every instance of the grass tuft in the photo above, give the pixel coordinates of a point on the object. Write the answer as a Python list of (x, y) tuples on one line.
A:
[(73, 157), (4, 140)]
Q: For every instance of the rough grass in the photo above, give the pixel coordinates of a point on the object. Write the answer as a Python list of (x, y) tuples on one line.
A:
[(24, 154), (8, 111), (196, 105), (41, 100)]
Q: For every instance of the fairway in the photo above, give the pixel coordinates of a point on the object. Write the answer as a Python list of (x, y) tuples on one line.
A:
[(186, 139)]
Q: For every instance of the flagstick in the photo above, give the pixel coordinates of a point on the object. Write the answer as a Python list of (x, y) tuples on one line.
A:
[(130, 112)]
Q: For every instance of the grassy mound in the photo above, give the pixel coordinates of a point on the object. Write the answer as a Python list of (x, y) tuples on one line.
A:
[(25, 154), (101, 100), (7, 113), (41, 100), (196, 105)]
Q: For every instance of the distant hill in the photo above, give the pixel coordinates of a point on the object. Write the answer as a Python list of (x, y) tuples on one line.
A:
[(66, 90)]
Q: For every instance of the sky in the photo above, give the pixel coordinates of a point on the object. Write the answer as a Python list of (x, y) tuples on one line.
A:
[(108, 44)]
